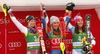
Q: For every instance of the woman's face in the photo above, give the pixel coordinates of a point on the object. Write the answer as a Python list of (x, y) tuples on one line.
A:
[(32, 23), (80, 23), (55, 25)]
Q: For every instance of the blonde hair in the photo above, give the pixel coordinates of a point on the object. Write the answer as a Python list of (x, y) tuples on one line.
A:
[(52, 31)]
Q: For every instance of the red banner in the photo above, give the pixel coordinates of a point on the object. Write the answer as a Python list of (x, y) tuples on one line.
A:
[(16, 43)]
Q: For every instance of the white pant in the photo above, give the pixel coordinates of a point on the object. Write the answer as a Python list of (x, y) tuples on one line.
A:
[(77, 51)]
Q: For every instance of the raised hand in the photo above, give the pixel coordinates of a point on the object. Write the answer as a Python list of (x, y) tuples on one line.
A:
[(41, 6), (70, 6)]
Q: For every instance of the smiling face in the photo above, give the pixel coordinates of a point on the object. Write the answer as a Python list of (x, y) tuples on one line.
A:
[(32, 23), (55, 25), (80, 23)]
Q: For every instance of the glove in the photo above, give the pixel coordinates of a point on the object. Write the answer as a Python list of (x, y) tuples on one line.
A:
[(8, 8), (70, 6)]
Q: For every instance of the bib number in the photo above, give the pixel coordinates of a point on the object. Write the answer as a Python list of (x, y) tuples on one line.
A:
[(79, 38), (35, 38)]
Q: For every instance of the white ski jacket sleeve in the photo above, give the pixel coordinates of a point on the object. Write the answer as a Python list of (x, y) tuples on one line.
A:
[(22, 28)]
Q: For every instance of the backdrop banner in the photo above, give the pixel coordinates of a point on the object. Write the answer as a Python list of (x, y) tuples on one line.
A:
[(16, 43)]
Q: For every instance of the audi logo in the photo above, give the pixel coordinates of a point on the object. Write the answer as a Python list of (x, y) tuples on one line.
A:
[(56, 41), (69, 41), (0, 45), (14, 44)]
